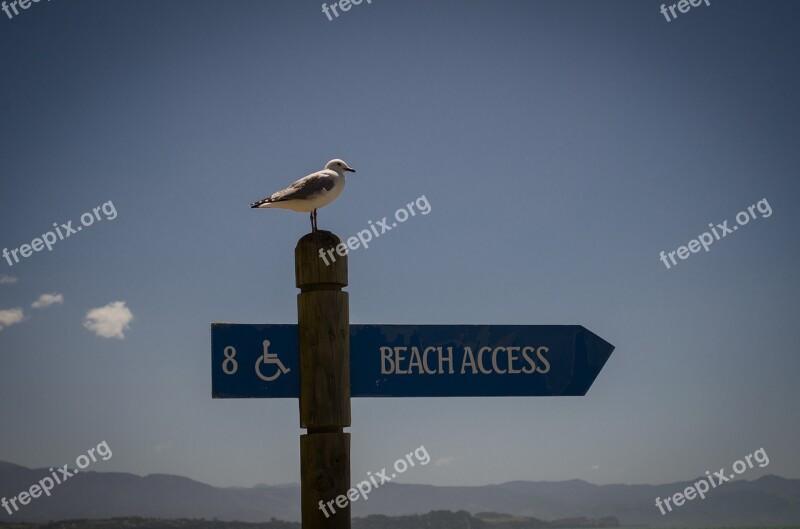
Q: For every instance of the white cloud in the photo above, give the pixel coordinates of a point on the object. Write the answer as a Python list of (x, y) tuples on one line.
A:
[(443, 461), (7, 280), (594, 467), (45, 300), (109, 321), (10, 317)]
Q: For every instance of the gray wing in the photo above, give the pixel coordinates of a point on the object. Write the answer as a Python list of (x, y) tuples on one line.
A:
[(304, 188)]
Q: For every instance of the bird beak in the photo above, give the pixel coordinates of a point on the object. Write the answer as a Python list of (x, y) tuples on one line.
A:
[(350, 170)]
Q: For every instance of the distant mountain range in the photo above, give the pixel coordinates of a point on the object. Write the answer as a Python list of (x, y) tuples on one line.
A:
[(769, 500), (432, 520)]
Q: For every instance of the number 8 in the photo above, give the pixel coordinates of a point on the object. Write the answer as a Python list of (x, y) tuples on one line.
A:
[(230, 365)]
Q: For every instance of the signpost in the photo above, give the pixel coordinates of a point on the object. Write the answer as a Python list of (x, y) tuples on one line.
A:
[(311, 361), (262, 361)]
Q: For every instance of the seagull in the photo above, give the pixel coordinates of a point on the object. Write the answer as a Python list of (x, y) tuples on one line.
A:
[(310, 192)]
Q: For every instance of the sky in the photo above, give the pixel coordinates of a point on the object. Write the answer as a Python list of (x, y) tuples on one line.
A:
[(561, 145)]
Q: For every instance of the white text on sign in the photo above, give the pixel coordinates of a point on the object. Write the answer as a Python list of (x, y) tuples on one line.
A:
[(440, 360)]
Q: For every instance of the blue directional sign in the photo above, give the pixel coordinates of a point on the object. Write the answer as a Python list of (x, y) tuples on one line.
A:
[(263, 361)]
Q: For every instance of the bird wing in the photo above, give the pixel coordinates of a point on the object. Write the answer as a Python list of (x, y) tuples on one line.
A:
[(304, 188)]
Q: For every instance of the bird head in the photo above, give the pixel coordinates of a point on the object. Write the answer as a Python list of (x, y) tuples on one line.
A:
[(339, 166)]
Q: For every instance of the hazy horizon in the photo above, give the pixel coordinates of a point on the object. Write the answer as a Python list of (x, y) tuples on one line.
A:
[(399, 482)]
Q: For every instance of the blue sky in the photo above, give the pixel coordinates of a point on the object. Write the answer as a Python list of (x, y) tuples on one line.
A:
[(561, 145)]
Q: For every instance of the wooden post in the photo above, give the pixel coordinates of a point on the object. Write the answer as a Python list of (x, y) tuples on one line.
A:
[(323, 319)]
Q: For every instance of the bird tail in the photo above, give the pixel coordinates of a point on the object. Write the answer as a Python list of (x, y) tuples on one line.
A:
[(261, 203)]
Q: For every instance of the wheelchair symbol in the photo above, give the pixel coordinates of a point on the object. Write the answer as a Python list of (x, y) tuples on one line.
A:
[(270, 358)]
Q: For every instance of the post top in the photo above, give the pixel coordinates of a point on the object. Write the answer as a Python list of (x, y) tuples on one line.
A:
[(317, 263)]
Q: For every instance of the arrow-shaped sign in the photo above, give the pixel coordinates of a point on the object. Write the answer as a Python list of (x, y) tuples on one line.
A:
[(262, 361)]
